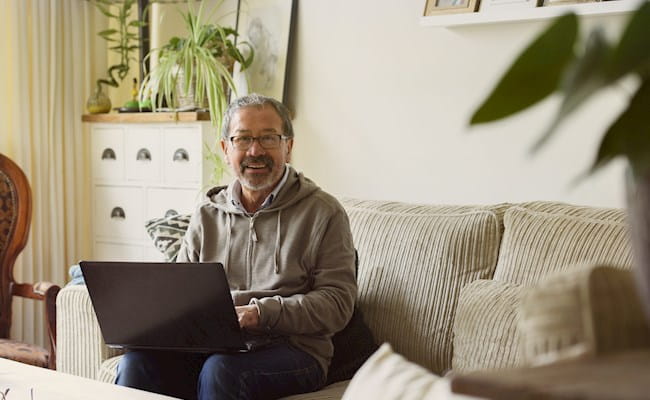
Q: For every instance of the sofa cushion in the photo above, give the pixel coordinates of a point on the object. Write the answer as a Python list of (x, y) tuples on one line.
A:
[(352, 347), (389, 376), (330, 392), (167, 234), (537, 243), (589, 310), (415, 259), (485, 327)]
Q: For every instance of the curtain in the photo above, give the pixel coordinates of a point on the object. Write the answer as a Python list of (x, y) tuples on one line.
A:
[(47, 63)]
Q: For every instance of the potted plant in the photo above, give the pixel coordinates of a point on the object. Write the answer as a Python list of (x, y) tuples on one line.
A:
[(559, 60), (123, 40), (199, 65)]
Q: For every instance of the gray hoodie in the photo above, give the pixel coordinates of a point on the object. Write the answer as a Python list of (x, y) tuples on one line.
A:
[(293, 259)]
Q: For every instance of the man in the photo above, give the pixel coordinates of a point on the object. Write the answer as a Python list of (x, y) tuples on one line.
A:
[(287, 249)]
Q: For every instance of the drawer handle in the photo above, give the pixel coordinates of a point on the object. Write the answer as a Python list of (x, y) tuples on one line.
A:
[(118, 213), (170, 213), (181, 155), (143, 155), (108, 154)]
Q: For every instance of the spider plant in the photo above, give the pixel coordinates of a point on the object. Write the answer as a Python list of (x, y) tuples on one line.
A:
[(202, 62)]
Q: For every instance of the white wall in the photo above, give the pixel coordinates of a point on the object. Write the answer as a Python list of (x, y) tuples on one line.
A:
[(382, 105)]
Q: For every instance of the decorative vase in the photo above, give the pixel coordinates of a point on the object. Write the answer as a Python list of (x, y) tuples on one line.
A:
[(98, 102), (638, 203)]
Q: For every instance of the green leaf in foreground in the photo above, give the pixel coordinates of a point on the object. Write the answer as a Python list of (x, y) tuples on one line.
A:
[(633, 51), (535, 74), (582, 79), (629, 135)]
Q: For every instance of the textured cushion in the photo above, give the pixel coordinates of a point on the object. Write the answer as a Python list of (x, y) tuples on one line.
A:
[(108, 370), (167, 233), (352, 347), (389, 376), (485, 328), (330, 392), (536, 243), (24, 353), (589, 310), (415, 261)]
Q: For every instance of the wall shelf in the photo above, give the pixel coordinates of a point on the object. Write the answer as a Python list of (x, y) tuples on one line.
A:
[(530, 14)]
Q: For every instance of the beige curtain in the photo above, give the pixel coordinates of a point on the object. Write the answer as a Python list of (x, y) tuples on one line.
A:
[(47, 56)]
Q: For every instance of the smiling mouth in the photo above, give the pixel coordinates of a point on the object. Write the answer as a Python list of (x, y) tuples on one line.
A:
[(257, 164)]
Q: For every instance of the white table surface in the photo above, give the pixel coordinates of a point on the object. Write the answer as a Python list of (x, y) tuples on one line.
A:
[(23, 380)]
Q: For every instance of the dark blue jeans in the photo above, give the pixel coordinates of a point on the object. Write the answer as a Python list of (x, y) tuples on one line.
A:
[(277, 371)]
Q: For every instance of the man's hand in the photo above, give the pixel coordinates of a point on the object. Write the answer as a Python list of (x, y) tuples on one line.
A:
[(249, 316)]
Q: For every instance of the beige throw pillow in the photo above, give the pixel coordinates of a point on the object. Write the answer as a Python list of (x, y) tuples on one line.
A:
[(485, 328), (587, 311), (389, 376), (414, 260), (536, 244)]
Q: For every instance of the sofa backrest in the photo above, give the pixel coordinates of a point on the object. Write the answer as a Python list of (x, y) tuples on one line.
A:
[(542, 238), (414, 260)]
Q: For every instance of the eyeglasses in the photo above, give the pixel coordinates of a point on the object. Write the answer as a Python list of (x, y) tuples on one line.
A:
[(268, 142)]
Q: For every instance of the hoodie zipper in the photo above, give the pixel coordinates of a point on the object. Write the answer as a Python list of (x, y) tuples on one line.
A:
[(252, 239)]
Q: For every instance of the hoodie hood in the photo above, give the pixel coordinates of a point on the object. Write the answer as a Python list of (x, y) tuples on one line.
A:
[(296, 188)]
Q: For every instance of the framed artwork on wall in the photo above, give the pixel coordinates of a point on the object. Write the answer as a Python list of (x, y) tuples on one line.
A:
[(267, 25), (500, 5), (434, 7), (564, 2)]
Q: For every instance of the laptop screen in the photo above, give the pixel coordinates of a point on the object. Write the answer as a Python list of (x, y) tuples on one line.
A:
[(174, 306)]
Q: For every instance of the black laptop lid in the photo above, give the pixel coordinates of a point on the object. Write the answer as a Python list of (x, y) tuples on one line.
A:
[(174, 306)]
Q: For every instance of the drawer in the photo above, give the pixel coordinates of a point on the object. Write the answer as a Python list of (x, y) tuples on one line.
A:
[(105, 251), (182, 155), (119, 212), (162, 202), (107, 154), (143, 150)]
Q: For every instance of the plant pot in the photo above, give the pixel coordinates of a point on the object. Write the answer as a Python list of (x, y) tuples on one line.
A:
[(638, 201), (187, 100), (98, 102)]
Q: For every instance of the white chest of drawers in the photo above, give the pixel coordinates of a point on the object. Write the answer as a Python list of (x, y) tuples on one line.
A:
[(140, 171)]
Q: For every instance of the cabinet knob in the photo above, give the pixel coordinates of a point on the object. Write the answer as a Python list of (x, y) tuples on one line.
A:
[(170, 213), (108, 154), (181, 155), (118, 213), (143, 155)]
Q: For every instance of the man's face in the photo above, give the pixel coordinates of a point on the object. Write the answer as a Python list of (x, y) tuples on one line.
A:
[(257, 168)]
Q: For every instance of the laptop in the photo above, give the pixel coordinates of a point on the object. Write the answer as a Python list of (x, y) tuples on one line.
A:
[(167, 306)]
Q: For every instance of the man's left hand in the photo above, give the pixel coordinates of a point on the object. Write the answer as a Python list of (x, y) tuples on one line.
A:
[(249, 316)]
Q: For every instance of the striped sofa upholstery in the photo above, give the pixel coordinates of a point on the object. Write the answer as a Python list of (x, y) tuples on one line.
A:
[(440, 283)]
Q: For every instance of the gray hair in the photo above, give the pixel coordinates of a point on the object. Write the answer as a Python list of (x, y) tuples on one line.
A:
[(256, 100)]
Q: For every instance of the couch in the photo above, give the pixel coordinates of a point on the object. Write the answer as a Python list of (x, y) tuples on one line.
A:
[(448, 289)]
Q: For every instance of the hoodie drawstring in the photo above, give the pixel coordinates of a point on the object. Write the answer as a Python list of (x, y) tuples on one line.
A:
[(276, 257), (228, 242)]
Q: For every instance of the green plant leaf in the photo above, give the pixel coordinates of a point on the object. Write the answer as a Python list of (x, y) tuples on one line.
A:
[(535, 74), (629, 135), (107, 33), (585, 76), (633, 51)]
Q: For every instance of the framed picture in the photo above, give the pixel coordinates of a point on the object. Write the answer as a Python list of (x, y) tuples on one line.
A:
[(268, 26), (564, 2), (434, 7), (498, 5)]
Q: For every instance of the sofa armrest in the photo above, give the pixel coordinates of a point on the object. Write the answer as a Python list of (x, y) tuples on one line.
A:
[(80, 348)]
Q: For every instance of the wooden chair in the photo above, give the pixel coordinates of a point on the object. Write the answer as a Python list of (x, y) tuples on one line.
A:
[(15, 217)]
